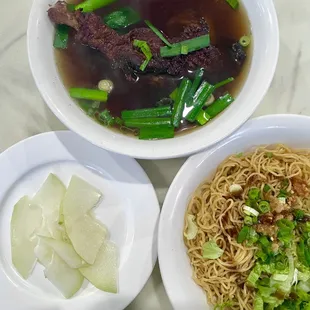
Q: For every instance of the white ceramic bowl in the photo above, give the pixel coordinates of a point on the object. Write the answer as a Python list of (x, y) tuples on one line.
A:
[(174, 263), (41, 57)]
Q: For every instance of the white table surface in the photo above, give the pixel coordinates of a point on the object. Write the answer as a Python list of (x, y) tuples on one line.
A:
[(23, 112)]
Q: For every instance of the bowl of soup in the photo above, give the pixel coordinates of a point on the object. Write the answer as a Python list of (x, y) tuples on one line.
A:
[(155, 78)]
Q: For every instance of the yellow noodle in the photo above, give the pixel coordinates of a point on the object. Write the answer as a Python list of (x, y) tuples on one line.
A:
[(220, 218)]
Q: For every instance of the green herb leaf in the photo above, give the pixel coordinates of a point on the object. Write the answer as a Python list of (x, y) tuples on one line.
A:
[(266, 188)]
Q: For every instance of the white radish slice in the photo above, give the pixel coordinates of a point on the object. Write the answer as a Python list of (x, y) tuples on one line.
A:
[(80, 198), (25, 221), (65, 251), (87, 236), (67, 280), (49, 198), (103, 273)]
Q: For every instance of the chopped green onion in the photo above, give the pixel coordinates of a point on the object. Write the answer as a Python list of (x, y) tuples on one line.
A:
[(184, 49), (147, 113), (264, 206), (158, 33), (298, 214), (233, 3), (197, 81), (119, 121), (245, 41), (194, 44), (202, 117), (269, 155), (88, 94), (254, 193), (106, 117), (199, 99), (144, 47), (211, 250), (174, 94), (61, 36), (266, 188), (223, 83), (239, 155), (95, 105), (92, 5), (106, 85), (285, 231), (122, 18), (146, 122), (156, 132), (248, 221), (179, 103), (283, 193), (219, 105), (243, 234), (250, 211)]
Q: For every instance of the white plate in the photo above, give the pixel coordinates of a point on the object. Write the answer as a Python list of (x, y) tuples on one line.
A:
[(175, 267), (129, 209)]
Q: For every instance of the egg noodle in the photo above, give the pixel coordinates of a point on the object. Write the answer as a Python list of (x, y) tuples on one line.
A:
[(219, 217)]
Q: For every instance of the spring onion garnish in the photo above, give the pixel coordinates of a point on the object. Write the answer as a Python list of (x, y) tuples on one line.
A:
[(250, 211), (145, 49), (106, 117), (269, 155), (233, 3), (147, 113), (222, 83), (219, 105), (179, 103), (264, 206), (202, 117), (194, 44), (88, 94), (245, 41), (202, 94), (156, 132), (158, 33), (211, 250), (61, 36), (184, 49), (298, 214), (266, 188), (248, 221), (122, 18), (243, 234), (285, 231), (197, 81), (106, 85), (254, 193), (92, 5), (146, 122)]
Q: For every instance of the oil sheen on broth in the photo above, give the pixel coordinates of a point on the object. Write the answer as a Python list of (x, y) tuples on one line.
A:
[(81, 66)]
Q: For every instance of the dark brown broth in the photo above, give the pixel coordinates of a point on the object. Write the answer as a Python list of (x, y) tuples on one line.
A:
[(81, 66)]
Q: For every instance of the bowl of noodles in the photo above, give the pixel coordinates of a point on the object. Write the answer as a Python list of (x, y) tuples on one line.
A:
[(235, 226)]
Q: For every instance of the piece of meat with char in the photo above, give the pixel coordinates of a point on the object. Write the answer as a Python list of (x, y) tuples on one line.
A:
[(120, 51)]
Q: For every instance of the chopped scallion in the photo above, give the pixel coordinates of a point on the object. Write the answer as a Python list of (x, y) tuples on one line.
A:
[(61, 36), (223, 83), (122, 18), (92, 5), (266, 188), (202, 117), (184, 49), (245, 41), (156, 132), (194, 44), (264, 206), (146, 122), (158, 33), (147, 113), (106, 118), (145, 49), (254, 193), (88, 94), (219, 105)]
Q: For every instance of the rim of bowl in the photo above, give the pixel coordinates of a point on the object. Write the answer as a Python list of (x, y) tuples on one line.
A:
[(268, 120), (182, 145)]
